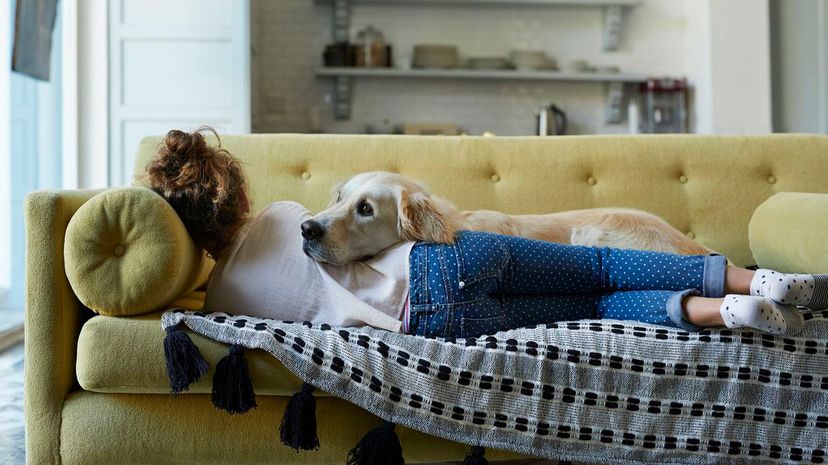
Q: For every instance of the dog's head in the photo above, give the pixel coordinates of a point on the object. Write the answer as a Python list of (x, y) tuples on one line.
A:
[(371, 212)]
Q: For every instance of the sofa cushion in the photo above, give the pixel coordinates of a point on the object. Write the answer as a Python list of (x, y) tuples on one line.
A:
[(126, 355), (126, 252), (101, 429)]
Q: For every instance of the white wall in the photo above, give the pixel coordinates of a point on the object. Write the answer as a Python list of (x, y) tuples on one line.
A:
[(727, 53), (661, 37), (800, 77), (93, 87), (740, 90), (697, 47)]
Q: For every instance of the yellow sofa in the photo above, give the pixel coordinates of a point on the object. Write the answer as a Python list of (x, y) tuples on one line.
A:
[(96, 389)]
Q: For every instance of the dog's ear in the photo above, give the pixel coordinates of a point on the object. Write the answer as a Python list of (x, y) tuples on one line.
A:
[(419, 218), (335, 192)]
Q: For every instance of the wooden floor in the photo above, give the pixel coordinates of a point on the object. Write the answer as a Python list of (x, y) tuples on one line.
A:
[(12, 448)]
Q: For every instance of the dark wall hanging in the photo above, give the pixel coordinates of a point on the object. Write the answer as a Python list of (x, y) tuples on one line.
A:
[(33, 25)]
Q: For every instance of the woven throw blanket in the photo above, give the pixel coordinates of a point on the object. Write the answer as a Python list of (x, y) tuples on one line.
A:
[(592, 391)]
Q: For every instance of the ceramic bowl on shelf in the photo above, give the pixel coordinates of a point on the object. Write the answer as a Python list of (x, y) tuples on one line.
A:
[(384, 127), (550, 65), (608, 69), (435, 56), (578, 66), (526, 60), (489, 63)]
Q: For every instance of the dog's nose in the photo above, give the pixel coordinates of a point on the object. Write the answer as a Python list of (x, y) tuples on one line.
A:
[(312, 230)]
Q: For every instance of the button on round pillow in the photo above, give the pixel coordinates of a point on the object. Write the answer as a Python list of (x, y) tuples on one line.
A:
[(127, 252)]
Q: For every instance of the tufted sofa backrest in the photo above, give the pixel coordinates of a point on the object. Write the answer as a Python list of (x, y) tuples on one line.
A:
[(706, 186)]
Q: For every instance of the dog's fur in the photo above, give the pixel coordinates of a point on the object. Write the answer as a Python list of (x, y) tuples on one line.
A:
[(403, 210)]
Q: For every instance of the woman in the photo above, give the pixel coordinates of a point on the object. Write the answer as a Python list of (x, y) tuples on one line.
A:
[(481, 284)]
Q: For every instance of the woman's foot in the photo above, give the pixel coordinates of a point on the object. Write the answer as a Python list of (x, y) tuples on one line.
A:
[(742, 311), (804, 290)]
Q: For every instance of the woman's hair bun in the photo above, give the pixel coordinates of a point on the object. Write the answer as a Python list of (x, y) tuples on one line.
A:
[(204, 184), (185, 146)]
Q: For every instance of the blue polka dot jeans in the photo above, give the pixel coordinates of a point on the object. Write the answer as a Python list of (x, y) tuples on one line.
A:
[(484, 283)]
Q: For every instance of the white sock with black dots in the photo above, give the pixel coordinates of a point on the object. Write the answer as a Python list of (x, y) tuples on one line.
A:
[(745, 311), (804, 290)]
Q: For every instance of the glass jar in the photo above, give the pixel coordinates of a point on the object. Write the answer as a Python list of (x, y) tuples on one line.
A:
[(370, 49)]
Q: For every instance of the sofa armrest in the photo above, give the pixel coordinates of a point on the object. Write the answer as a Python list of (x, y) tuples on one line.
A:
[(789, 233), (53, 318)]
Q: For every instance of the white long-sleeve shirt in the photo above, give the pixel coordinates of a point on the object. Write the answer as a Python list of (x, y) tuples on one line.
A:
[(264, 273)]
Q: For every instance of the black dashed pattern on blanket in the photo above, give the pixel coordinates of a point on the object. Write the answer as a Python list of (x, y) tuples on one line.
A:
[(596, 391)]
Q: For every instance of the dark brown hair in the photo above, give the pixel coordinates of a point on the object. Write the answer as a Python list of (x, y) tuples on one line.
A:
[(205, 185)]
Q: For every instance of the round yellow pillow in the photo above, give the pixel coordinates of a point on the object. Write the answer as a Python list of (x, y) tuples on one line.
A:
[(127, 252), (787, 233)]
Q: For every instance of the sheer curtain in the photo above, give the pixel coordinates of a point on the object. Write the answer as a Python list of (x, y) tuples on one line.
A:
[(5, 156), (34, 157)]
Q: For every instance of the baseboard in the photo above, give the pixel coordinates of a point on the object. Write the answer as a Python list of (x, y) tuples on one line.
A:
[(11, 336)]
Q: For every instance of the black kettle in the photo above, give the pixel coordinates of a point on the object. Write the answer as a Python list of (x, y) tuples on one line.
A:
[(550, 120)]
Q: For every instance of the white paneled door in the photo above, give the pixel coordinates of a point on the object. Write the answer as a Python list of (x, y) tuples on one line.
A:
[(175, 64)]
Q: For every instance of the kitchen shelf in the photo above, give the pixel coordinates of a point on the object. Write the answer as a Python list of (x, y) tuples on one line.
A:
[(480, 74), (611, 32), (615, 82)]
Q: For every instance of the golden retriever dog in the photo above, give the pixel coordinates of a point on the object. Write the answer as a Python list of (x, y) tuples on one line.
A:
[(373, 211)]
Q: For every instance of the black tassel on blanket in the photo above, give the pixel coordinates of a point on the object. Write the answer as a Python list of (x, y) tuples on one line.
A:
[(184, 362), (232, 389), (298, 429), (475, 457), (380, 446)]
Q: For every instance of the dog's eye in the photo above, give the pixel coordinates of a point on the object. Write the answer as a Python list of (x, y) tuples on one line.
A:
[(364, 209)]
